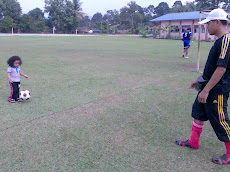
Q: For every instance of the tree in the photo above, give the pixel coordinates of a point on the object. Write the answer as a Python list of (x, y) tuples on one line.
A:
[(10, 11), (150, 10), (36, 14), (2, 9), (149, 14), (177, 7), (6, 24), (76, 8), (210, 4), (116, 17), (128, 13), (109, 16), (133, 7), (162, 9), (37, 20), (25, 24), (85, 22), (78, 15), (98, 17), (100, 22), (125, 18), (62, 14), (190, 6)]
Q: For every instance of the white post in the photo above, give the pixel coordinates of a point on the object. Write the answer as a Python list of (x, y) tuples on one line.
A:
[(54, 29), (12, 30), (76, 31), (198, 53)]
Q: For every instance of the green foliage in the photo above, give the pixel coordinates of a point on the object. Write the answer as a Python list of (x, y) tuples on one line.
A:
[(167, 28), (144, 33), (12, 9), (33, 22), (10, 13), (177, 7), (67, 16), (2, 9), (136, 31), (155, 31), (102, 26), (97, 17), (211, 4), (99, 23), (131, 14), (62, 15), (168, 36), (7, 24), (25, 23), (36, 14), (162, 9)]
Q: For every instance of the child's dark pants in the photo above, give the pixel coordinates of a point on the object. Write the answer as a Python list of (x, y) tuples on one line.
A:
[(14, 94)]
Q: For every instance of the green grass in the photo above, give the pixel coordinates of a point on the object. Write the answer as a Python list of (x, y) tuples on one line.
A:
[(102, 104)]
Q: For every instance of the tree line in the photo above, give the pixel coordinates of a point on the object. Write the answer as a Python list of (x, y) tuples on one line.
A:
[(67, 16)]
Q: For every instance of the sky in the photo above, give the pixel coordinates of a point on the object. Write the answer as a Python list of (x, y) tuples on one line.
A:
[(91, 7)]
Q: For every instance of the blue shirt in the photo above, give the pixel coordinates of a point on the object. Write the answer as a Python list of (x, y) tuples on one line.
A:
[(187, 35)]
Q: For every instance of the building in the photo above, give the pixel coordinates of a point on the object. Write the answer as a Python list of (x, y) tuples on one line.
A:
[(182, 21)]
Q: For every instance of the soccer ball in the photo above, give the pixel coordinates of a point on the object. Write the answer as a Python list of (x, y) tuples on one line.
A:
[(24, 94)]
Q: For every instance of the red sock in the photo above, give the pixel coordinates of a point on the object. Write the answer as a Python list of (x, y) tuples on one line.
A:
[(195, 135), (227, 145)]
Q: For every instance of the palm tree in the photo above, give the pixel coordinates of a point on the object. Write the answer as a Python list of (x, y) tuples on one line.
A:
[(133, 7), (128, 13), (76, 7), (78, 15)]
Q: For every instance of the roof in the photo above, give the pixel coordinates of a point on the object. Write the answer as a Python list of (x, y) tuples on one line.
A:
[(194, 15)]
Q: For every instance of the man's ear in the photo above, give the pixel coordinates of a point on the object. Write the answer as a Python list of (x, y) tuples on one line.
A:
[(218, 22)]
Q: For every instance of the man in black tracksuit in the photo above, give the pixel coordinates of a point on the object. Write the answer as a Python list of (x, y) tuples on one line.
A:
[(214, 85)]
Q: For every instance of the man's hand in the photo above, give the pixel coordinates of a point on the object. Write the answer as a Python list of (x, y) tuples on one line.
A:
[(202, 97), (192, 85), (217, 75)]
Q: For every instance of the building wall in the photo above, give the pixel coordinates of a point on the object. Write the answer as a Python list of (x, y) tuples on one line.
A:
[(181, 26)]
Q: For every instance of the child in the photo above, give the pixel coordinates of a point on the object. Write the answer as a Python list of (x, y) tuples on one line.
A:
[(14, 73)]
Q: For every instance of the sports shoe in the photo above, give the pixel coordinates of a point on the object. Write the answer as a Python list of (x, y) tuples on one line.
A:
[(186, 57), (12, 101), (183, 55), (19, 99)]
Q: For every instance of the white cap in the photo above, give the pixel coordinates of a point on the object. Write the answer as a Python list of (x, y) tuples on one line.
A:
[(217, 14)]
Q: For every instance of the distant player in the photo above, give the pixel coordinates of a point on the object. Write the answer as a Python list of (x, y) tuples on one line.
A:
[(213, 85), (187, 35)]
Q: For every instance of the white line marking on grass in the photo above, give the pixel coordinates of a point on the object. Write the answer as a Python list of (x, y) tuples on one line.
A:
[(74, 35), (19, 34)]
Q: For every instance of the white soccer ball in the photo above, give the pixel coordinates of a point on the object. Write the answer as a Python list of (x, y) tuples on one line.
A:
[(24, 94)]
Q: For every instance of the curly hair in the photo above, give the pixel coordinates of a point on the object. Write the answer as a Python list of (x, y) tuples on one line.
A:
[(12, 59)]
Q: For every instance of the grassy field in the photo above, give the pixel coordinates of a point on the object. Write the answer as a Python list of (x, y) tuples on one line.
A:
[(102, 104)]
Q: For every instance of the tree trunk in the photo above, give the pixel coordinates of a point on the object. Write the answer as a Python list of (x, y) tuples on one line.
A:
[(132, 24)]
